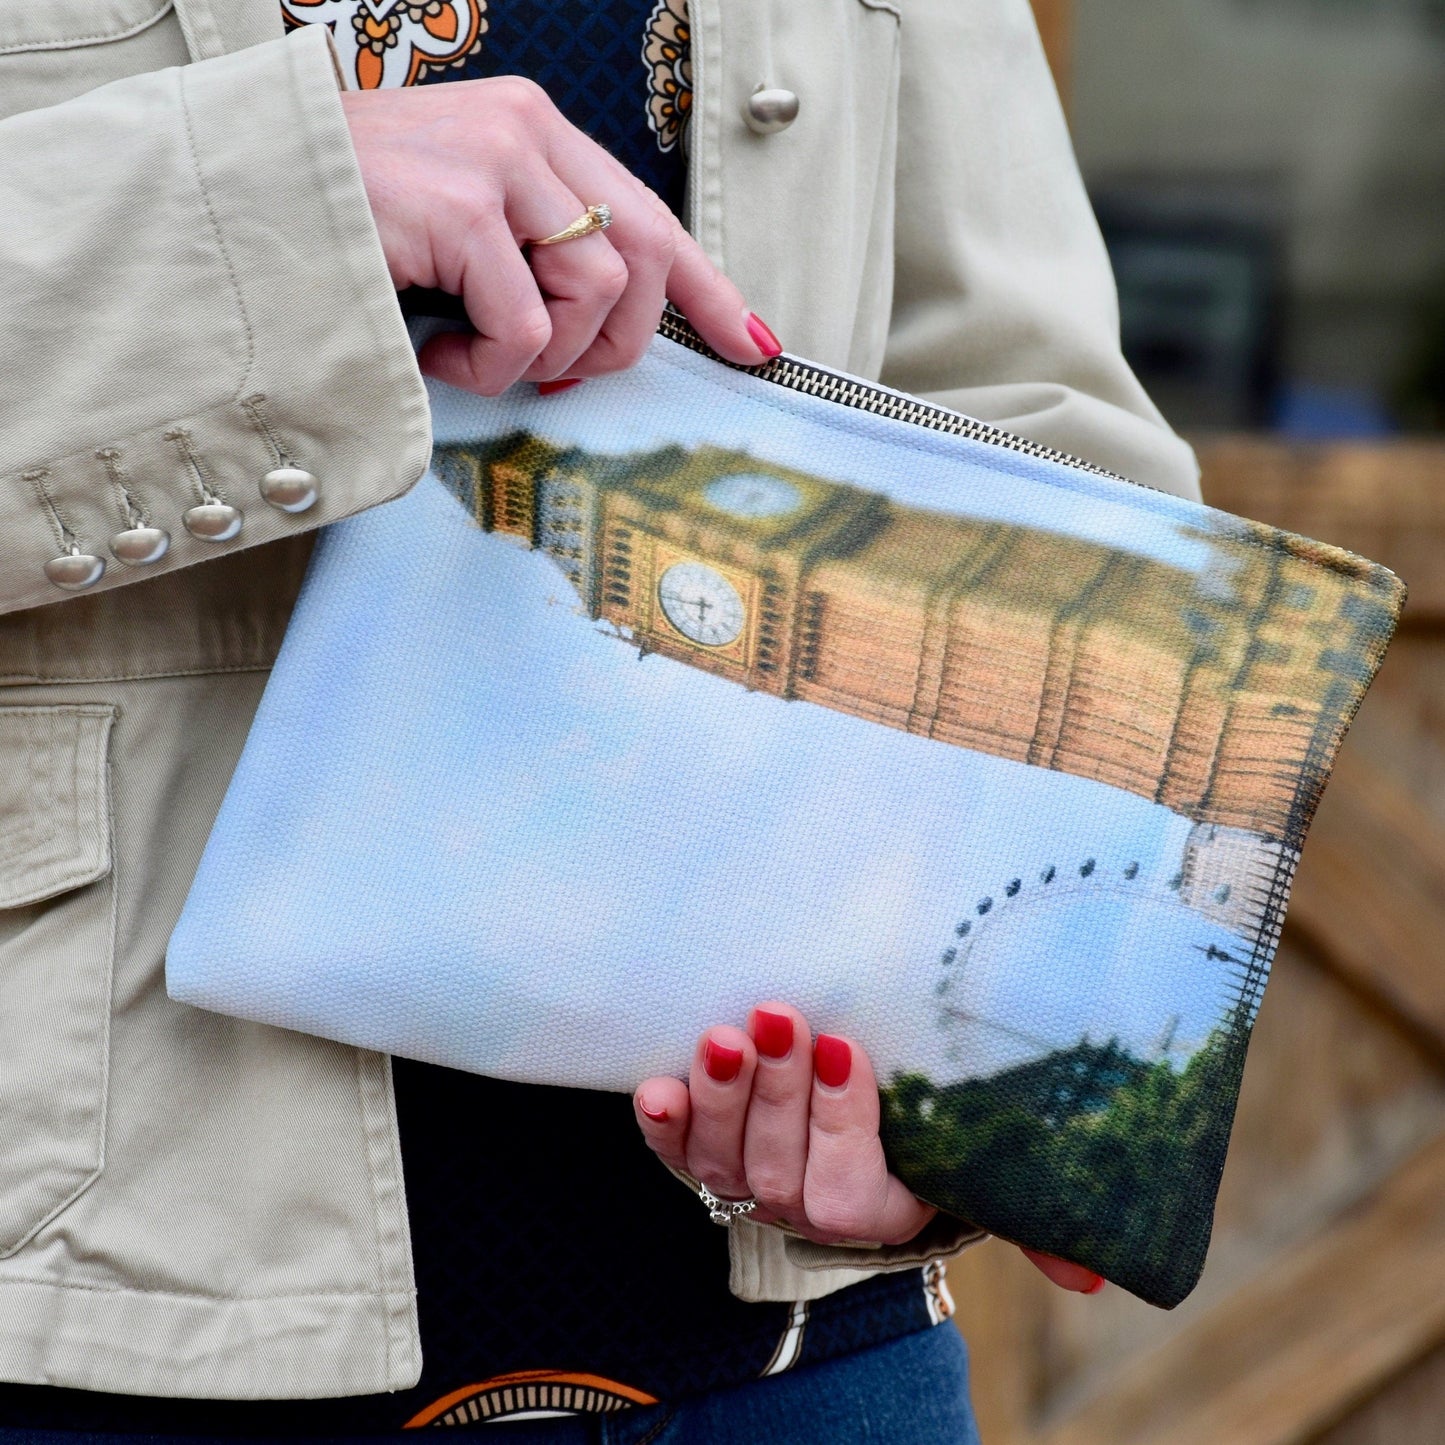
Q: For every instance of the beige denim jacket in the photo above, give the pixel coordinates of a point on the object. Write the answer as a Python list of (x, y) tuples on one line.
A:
[(190, 283)]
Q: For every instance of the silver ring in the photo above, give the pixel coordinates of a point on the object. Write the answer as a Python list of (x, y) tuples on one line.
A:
[(724, 1211)]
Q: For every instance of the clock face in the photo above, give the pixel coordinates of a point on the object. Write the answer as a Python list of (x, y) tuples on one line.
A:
[(753, 495), (701, 603)]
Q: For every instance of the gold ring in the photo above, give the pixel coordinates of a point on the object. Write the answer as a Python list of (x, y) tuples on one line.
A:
[(596, 218)]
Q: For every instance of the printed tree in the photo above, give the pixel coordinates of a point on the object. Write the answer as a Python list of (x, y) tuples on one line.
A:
[(1119, 1175)]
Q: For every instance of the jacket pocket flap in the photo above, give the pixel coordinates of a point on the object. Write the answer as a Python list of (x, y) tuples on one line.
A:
[(74, 23), (54, 803)]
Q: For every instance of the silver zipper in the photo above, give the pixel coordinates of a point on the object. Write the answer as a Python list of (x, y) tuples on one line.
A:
[(814, 380)]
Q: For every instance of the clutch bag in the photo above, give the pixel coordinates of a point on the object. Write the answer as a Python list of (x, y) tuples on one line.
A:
[(697, 686)]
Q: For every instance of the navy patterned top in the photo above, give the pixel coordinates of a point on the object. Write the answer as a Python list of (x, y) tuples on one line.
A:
[(559, 1267), (618, 69)]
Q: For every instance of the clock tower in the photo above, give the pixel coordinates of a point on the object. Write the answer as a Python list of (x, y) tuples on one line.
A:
[(1217, 694), (699, 555)]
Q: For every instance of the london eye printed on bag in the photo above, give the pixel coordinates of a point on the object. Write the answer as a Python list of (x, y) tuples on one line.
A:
[(998, 765)]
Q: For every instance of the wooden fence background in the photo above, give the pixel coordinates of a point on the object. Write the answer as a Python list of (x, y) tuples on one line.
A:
[(1321, 1315)]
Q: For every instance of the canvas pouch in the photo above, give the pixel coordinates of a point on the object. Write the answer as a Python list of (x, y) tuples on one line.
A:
[(697, 686)]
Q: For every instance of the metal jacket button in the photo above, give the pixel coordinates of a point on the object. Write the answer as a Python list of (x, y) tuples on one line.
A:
[(75, 570), (290, 489), (139, 546), (213, 521), (769, 110)]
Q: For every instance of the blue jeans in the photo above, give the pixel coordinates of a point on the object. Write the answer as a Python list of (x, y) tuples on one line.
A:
[(910, 1391)]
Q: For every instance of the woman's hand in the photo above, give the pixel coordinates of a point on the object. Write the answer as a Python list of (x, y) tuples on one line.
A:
[(774, 1115), (461, 176)]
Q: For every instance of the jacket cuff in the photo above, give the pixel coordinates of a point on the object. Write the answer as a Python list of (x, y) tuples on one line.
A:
[(768, 1263), (252, 322), (941, 1238), (771, 1262)]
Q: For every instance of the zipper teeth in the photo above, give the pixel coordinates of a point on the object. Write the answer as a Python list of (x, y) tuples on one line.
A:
[(818, 381)]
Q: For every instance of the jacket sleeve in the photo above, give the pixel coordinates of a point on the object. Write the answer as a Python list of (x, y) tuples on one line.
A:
[(194, 293), (1004, 302)]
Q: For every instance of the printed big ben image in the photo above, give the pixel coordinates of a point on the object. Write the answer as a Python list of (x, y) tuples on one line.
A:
[(1204, 693)]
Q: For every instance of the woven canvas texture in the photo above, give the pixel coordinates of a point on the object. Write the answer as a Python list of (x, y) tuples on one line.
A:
[(682, 690)]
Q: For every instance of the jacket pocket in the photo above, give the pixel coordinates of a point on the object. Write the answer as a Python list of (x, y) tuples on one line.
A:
[(57, 939), (67, 24)]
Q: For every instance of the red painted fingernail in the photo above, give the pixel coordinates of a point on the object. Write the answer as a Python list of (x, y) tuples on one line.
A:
[(548, 388), (1097, 1285), (657, 1115), (832, 1060), (773, 1034), (721, 1062), (763, 337)]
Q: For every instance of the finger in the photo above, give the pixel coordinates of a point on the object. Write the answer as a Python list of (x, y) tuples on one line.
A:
[(700, 291), (1064, 1273), (716, 308), (506, 308), (581, 291), (644, 235), (775, 1141), (720, 1084), (848, 1193), (581, 279), (662, 1108)]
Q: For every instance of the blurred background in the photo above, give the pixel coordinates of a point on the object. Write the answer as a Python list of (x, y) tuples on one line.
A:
[(1270, 179)]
